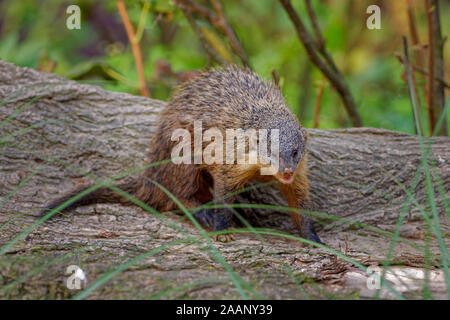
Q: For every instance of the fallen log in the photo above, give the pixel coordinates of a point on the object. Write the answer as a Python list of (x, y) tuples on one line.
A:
[(54, 132)]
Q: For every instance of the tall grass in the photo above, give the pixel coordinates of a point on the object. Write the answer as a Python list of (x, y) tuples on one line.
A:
[(202, 237), (425, 150)]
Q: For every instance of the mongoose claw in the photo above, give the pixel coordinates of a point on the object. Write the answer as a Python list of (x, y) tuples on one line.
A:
[(205, 217), (314, 237), (308, 231), (224, 238)]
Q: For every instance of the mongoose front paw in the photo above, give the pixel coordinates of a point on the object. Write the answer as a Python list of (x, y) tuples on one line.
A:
[(308, 231), (224, 238), (205, 217)]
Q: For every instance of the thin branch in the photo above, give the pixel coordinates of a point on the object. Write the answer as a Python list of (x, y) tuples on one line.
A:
[(430, 95), (412, 95), (312, 17), (142, 21), (134, 47), (211, 53), (218, 21), (437, 67), (414, 82), (319, 38), (420, 56), (228, 31), (334, 76), (419, 52), (422, 70), (318, 104), (275, 78), (199, 9)]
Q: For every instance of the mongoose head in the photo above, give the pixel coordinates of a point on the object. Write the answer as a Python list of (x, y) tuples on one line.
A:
[(272, 112), (288, 153), (292, 148)]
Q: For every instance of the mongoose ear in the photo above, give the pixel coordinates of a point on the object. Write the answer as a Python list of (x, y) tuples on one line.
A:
[(305, 135)]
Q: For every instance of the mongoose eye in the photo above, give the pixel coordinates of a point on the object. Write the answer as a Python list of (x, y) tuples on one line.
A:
[(295, 153)]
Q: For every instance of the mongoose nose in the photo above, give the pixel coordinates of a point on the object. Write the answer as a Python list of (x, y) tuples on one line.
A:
[(288, 172)]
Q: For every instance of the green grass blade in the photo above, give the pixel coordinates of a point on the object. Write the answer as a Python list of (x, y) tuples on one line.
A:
[(20, 109), (235, 278), (115, 271)]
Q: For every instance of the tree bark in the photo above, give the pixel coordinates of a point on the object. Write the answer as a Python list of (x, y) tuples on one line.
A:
[(91, 130)]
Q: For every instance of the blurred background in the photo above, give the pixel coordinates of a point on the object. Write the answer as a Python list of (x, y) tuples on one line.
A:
[(33, 33)]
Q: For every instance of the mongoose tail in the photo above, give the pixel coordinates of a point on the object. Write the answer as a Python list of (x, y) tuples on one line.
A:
[(100, 195)]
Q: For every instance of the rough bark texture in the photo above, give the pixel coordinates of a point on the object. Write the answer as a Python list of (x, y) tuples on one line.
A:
[(105, 133)]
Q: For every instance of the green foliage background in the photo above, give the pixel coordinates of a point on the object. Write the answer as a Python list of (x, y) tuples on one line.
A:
[(34, 32)]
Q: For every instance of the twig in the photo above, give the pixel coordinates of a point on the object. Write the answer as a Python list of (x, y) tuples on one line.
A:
[(217, 44), (211, 53), (319, 38), (420, 56), (412, 95), (318, 104), (275, 78), (414, 83), (436, 63), (218, 21), (199, 9), (224, 25), (334, 76), (430, 95), (134, 47), (142, 21), (312, 17), (414, 35), (422, 71)]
